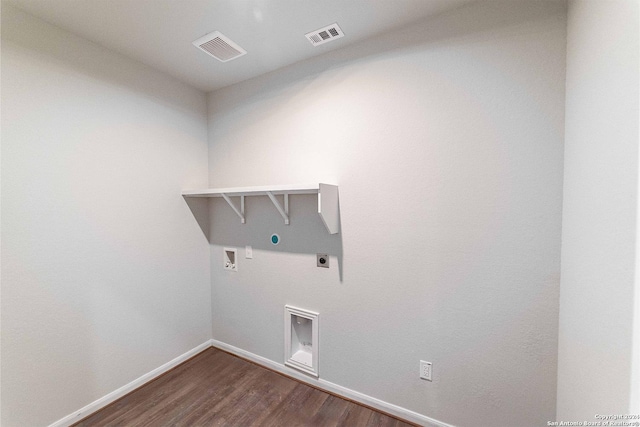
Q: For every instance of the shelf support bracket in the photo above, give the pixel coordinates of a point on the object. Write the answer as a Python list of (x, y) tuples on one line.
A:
[(283, 212), (239, 212)]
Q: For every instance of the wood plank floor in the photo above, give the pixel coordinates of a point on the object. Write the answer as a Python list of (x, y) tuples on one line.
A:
[(218, 389)]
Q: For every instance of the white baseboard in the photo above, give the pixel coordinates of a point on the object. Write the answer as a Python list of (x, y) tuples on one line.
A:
[(330, 387), (128, 388)]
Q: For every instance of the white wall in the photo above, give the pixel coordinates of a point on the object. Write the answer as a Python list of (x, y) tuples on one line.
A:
[(599, 212), (105, 273), (446, 139)]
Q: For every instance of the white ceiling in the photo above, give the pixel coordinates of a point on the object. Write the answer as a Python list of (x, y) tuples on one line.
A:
[(159, 32)]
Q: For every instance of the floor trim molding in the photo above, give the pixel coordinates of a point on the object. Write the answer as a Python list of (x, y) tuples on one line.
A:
[(327, 386), (330, 387), (128, 388)]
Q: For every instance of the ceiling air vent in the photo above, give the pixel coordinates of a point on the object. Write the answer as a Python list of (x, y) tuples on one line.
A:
[(219, 46), (325, 35)]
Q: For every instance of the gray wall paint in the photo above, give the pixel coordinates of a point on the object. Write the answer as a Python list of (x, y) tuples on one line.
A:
[(599, 212), (105, 274), (446, 139)]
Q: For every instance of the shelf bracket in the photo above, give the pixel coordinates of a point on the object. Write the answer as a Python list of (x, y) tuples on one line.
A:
[(283, 212), (239, 212), (328, 207)]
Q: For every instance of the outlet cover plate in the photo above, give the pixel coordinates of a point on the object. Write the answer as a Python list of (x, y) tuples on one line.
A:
[(425, 370)]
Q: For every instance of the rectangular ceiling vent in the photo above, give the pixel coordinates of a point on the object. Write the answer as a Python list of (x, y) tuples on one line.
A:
[(325, 35), (219, 46)]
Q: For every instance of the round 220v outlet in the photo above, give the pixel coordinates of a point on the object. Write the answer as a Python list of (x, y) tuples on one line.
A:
[(322, 260)]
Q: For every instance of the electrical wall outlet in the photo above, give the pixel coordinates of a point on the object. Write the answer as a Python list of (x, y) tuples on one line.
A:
[(322, 260), (425, 370)]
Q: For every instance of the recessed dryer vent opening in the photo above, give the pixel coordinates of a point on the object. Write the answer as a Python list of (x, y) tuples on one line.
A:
[(301, 339)]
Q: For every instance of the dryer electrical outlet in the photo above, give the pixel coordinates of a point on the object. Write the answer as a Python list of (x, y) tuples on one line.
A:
[(322, 260)]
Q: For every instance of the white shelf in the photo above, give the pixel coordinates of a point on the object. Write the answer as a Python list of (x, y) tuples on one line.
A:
[(254, 191), (327, 199)]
